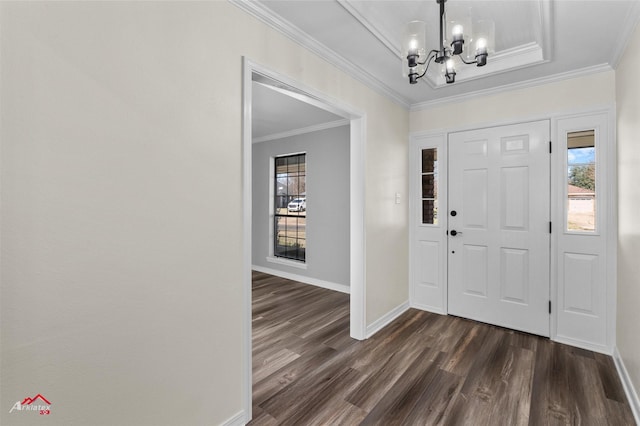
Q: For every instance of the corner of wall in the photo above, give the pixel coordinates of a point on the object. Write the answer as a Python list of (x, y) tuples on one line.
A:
[(629, 390), (386, 319), (239, 419)]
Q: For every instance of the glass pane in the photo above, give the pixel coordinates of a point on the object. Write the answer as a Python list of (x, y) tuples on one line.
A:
[(429, 212), (429, 158), (581, 181), (428, 186)]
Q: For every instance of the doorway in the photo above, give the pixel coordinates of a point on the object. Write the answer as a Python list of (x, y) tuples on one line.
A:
[(356, 120)]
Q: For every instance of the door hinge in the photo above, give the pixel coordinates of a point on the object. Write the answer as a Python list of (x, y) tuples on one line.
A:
[(550, 147), (549, 306), (549, 226)]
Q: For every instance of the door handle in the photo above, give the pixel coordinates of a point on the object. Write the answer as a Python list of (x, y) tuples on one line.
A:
[(453, 232)]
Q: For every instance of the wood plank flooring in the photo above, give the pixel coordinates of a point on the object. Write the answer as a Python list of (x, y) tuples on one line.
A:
[(423, 369)]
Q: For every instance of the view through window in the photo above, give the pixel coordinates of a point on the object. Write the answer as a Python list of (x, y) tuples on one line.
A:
[(290, 207), (581, 181)]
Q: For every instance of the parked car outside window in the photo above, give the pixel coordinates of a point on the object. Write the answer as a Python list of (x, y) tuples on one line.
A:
[(297, 205)]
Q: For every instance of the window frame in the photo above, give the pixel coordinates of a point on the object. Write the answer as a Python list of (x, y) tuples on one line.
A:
[(274, 256), (599, 173), (435, 173)]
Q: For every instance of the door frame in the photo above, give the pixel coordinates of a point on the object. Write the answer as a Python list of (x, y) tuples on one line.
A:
[(356, 216), (557, 209)]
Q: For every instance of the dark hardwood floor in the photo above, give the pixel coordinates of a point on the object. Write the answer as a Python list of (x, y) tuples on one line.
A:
[(422, 369)]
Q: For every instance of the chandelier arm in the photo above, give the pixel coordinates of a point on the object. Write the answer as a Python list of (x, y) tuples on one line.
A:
[(432, 55), (428, 58), (468, 63)]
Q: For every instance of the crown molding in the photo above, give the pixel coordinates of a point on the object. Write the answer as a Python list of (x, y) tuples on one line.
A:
[(628, 27), (513, 86), (519, 57), (297, 35), (546, 26), (302, 131), (383, 38)]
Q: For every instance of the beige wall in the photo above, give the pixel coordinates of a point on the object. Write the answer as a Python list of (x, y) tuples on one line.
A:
[(628, 131), (121, 296), (559, 97)]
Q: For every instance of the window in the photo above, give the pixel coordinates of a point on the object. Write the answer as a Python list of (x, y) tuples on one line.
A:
[(581, 181), (430, 186), (290, 207)]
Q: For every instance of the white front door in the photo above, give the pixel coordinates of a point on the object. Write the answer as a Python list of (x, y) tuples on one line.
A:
[(498, 221)]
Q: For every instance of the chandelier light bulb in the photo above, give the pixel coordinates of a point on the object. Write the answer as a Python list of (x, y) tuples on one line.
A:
[(481, 44), (414, 51), (481, 52), (458, 39), (450, 66), (413, 45)]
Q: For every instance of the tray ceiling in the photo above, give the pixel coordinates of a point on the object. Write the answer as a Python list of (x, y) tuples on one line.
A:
[(536, 40)]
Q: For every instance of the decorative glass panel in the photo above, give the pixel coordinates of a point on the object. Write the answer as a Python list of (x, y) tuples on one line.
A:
[(430, 186), (581, 181)]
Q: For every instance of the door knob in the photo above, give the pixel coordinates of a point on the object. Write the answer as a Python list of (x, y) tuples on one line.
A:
[(453, 232)]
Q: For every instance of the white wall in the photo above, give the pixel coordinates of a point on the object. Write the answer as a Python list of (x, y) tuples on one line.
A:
[(328, 201), (121, 296), (539, 101), (628, 131)]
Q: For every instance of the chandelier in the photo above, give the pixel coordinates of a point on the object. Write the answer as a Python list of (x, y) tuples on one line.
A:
[(470, 48)]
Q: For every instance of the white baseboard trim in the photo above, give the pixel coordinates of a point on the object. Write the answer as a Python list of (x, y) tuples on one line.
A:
[(301, 278), (582, 344), (386, 319), (428, 308), (627, 384), (239, 419)]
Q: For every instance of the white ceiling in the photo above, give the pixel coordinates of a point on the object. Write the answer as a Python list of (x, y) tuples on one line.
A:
[(536, 40), (278, 112)]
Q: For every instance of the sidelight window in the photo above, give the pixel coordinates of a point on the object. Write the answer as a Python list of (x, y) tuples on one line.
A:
[(581, 181)]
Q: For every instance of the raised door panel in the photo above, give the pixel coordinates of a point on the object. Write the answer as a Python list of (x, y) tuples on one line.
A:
[(514, 276)]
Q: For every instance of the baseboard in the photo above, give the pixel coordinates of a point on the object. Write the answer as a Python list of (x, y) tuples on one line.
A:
[(428, 308), (239, 419), (301, 278), (386, 319), (582, 344), (627, 384)]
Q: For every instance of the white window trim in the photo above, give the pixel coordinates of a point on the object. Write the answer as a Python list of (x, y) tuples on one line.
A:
[(272, 258), (287, 262)]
